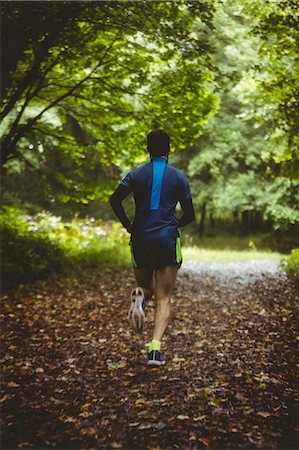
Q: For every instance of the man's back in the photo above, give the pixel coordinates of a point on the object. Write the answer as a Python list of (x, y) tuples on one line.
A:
[(157, 187)]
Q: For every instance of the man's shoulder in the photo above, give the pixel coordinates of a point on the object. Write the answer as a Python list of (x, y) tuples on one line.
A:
[(176, 172), (136, 170)]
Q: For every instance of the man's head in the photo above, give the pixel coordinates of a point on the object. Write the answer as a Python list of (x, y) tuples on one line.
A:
[(158, 143)]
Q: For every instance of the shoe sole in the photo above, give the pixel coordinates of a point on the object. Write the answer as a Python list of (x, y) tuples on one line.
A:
[(155, 363), (136, 314)]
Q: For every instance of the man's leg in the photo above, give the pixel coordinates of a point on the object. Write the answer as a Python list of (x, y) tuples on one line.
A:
[(145, 280), (165, 280), (139, 296)]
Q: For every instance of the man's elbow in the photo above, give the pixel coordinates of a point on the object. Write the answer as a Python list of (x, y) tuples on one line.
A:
[(191, 214), (113, 201), (191, 217)]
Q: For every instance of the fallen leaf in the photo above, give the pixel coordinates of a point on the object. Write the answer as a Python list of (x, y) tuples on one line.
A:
[(13, 384), (116, 444), (68, 419), (85, 414), (160, 425), (57, 401), (263, 414), (204, 441), (145, 426), (140, 402), (134, 424), (88, 431), (86, 405)]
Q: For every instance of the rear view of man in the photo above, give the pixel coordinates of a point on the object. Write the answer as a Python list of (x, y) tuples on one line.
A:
[(155, 242)]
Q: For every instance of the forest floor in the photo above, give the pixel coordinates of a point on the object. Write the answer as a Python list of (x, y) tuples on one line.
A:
[(75, 375)]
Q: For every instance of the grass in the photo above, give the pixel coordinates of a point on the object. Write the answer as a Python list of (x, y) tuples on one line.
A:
[(196, 254), (226, 248)]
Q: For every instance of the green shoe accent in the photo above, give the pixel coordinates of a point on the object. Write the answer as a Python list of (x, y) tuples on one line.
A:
[(154, 345)]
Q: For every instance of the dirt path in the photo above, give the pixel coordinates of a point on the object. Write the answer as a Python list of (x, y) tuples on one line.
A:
[(76, 377)]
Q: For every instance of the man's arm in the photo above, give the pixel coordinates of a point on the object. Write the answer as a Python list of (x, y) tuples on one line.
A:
[(188, 213), (116, 204)]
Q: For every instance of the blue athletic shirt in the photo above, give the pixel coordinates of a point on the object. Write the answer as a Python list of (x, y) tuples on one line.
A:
[(157, 187)]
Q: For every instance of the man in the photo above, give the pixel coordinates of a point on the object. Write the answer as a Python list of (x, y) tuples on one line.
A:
[(155, 241)]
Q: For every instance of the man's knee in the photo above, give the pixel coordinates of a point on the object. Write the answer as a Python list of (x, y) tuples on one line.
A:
[(148, 292), (163, 301)]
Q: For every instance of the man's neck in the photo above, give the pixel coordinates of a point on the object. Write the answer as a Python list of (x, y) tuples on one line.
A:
[(164, 157)]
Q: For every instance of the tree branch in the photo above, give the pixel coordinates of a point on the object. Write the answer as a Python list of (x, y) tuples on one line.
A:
[(10, 141), (56, 136), (29, 77)]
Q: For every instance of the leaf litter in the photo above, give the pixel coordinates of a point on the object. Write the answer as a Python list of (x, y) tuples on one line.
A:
[(75, 375)]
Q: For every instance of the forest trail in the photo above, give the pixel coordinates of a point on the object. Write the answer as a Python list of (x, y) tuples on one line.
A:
[(75, 376)]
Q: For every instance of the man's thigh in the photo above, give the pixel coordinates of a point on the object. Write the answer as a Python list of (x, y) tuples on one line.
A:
[(165, 280), (144, 278)]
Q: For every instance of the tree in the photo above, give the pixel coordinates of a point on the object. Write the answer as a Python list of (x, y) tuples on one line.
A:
[(85, 85), (276, 23), (234, 171)]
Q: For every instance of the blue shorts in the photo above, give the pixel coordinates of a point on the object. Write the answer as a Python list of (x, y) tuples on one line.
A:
[(155, 254)]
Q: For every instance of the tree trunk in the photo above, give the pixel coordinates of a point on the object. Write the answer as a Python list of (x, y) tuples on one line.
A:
[(252, 221), (258, 221), (202, 220), (236, 217), (245, 222)]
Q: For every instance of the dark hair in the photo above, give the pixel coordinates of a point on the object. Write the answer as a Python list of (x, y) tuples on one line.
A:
[(158, 143)]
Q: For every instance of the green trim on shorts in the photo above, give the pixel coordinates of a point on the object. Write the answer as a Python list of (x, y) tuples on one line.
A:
[(134, 263), (178, 250)]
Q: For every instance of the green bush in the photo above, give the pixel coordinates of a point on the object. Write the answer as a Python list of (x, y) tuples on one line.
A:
[(25, 259), (33, 248), (291, 265)]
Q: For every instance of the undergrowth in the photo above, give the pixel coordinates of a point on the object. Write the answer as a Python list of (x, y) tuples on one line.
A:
[(291, 265), (35, 248)]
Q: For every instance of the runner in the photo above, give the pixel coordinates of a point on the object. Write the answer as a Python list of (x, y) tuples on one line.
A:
[(155, 241)]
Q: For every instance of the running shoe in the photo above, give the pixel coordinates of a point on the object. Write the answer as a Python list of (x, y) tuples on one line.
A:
[(136, 314), (155, 359)]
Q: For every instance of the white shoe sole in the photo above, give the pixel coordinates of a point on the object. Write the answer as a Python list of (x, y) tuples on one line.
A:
[(155, 363), (136, 314)]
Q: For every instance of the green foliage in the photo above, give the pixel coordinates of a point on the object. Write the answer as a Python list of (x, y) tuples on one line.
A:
[(33, 248), (26, 257), (234, 167), (85, 82), (291, 265), (83, 88), (276, 77), (87, 242)]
